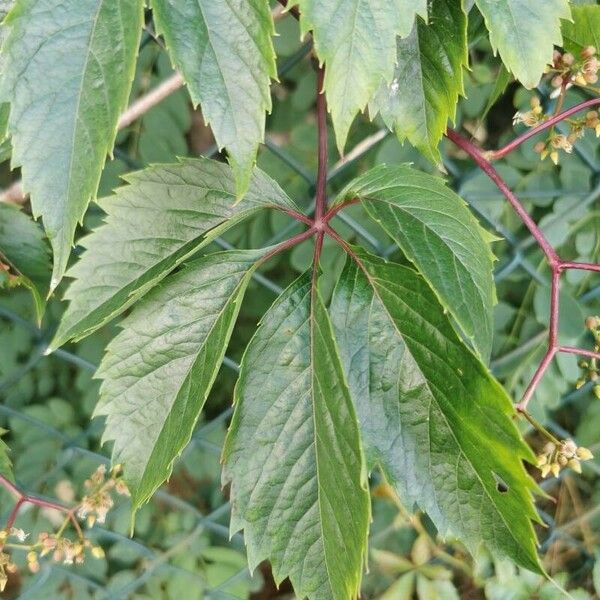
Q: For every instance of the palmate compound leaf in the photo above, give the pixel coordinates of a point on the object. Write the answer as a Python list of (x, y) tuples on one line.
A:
[(437, 232), (164, 215), (158, 371), (428, 79), (431, 415), (225, 52), (293, 453), (66, 67), (357, 42), (524, 33), (24, 249)]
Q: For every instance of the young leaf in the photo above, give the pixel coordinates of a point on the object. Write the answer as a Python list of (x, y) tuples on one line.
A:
[(584, 30), (428, 79), (293, 454), (437, 232), (5, 464), (524, 33), (23, 247), (66, 69), (163, 216), (159, 370), (225, 52), (357, 42), (431, 414)]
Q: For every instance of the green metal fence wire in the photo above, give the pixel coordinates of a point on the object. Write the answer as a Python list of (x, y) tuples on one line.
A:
[(521, 257)]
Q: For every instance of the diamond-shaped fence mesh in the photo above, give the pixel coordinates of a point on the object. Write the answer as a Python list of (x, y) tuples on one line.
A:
[(150, 561)]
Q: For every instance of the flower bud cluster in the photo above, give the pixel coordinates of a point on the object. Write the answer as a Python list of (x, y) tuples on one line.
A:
[(98, 501), (60, 549), (567, 69), (555, 143), (7, 566), (532, 117), (64, 550), (590, 370), (556, 456)]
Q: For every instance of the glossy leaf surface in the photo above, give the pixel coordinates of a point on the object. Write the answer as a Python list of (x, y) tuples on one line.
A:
[(431, 414), (293, 454)]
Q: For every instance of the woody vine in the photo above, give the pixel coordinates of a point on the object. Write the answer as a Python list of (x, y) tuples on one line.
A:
[(558, 453)]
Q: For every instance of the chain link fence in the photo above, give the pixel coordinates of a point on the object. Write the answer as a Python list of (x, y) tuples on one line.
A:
[(521, 256)]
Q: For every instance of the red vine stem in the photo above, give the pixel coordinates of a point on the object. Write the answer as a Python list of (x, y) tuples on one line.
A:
[(555, 263), (580, 351), (580, 266), (296, 215), (320, 220), (495, 154), (321, 196), (287, 244), (338, 207), (478, 156), (23, 499)]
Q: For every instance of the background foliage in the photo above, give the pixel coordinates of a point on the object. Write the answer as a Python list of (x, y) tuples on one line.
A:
[(181, 546)]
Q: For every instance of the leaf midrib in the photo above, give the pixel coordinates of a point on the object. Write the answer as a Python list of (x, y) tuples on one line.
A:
[(312, 291), (78, 103)]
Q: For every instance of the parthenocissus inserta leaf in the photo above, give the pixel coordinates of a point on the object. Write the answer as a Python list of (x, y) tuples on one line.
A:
[(293, 453)]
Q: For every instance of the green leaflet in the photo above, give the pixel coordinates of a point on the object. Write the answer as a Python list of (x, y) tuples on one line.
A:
[(164, 215), (428, 79), (357, 42), (159, 370), (524, 33), (584, 30), (431, 414), (23, 247), (5, 464), (437, 232), (225, 52), (293, 454), (66, 69)]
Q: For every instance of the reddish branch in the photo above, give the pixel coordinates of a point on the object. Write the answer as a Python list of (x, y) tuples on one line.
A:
[(321, 192), (556, 264), (290, 243), (22, 499), (479, 157), (317, 224), (495, 154)]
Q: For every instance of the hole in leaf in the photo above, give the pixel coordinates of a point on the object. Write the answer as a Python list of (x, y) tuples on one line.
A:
[(501, 485)]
